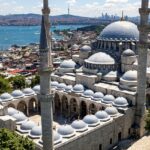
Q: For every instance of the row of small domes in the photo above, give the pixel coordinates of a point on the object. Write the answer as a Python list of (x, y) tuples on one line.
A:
[(35, 131), (97, 96), (16, 94)]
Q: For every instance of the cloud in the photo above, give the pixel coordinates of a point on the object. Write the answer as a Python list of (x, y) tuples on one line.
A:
[(116, 1), (71, 2)]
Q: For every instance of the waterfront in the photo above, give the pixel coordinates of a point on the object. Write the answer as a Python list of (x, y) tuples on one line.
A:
[(23, 35)]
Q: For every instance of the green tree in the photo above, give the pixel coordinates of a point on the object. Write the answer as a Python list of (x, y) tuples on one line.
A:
[(18, 82), (35, 81), (12, 141), (4, 85), (147, 120)]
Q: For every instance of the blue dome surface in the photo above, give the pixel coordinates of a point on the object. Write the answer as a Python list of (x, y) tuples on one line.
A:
[(36, 131), (102, 115), (6, 97), (27, 125), (54, 84), (112, 111), (28, 92), (98, 96), (108, 99), (78, 88), (20, 117), (124, 30), (68, 64), (79, 125), (68, 88), (85, 48), (36, 89), (17, 94), (88, 93), (120, 102), (12, 111), (61, 86)]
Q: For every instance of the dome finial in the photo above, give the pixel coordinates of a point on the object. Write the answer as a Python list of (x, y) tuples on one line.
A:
[(122, 18)]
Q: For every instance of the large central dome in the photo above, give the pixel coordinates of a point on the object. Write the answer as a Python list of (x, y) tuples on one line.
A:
[(120, 30)]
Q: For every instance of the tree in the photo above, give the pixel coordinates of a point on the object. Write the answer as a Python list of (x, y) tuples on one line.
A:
[(4, 85), (35, 81), (12, 141), (18, 82), (147, 120)]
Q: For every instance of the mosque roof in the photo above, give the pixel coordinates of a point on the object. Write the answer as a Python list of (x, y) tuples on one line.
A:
[(120, 30), (68, 64), (130, 75), (100, 58), (17, 94), (91, 120), (102, 115), (6, 97), (79, 125), (85, 48), (66, 131), (28, 92), (128, 52)]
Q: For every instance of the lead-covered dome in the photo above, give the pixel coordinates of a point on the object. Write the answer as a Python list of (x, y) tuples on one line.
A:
[(88, 93), (120, 102), (36, 132), (17, 94), (120, 30), (68, 64), (128, 52), (28, 92), (68, 88), (66, 131), (100, 58), (61, 86), (36, 89), (98, 96), (91, 120), (112, 111), (79, 125), (6, 97), (102, 115), (12, 111), (108, 99), (85, 48), (130, 75), (54, 84), (78, 88), (20, 117)]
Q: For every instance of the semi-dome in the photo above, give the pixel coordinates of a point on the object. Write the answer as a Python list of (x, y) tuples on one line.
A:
[(36, 89), (12, 111), (120, 102), (98, 96), (128, 52), (36, 132), (78, 88), (28, 92), (112, 111), (100, 58), (85, 48), (66, 131), (108, 99), (102, 115), (88, 93), (91, 120), (68, 88), (68, 64), (79, 125), (120, 30), (27, 126), (17, 94), (20, 117), (130, 75), (54, 84), (61, 86), (6, 97)]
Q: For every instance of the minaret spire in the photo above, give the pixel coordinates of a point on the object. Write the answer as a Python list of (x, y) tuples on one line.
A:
[(68, 9), (122, 18), (142, 67), (45, 97)]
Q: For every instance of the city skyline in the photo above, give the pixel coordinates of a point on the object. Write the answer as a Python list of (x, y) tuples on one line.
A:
[(77, 7)]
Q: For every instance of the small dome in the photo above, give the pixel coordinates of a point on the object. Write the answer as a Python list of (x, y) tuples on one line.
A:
[(36, 89), (79, 125), (88, 93), (112, 111), (102, 116), (128, 52), (17, 94), (130, 75), (27, 125), (75, 47), (120, 30), (78, 88), (28, 92), (36, 131), (100, 58), (91, 120), (85, 48), (68, 64), (54, 84), (66, 131), (20, 117), (120, 102), (6, 97), (12, 111), (108, 99), (61, 86), (57, 137), (68, 88), (98, 96)]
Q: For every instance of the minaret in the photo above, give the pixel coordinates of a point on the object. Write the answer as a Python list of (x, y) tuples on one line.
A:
[(142, 66), (68, 9), (45, 97)]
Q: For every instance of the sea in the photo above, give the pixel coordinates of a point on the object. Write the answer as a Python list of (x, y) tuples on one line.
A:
[(24, 35)]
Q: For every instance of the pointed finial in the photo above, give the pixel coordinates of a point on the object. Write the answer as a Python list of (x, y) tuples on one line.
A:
[(122, 18)]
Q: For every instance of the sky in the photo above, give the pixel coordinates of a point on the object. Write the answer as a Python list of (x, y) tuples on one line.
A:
[(89, 8)]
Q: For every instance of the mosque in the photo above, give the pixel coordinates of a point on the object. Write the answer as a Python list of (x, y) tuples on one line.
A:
[(95, 95)]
